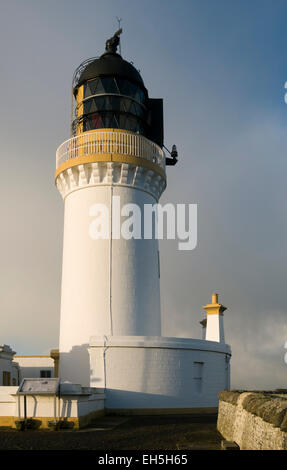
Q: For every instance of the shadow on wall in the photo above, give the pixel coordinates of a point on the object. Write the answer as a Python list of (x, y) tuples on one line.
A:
[(131, 400), (74, 366)]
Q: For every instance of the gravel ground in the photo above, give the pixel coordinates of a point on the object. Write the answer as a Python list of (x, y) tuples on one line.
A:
[(119, 433)]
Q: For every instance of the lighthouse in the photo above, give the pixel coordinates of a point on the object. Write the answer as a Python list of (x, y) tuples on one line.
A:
[(110, 322), (109, 286)]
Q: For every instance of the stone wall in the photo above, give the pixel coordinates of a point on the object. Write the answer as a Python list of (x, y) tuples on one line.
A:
[(254, 420)]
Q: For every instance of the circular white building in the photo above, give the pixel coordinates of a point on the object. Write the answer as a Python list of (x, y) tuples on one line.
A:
[(109, 171)]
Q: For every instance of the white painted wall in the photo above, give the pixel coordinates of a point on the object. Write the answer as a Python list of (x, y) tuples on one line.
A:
[(109, 287), (7, 365), (110, 290), (150, 372), (71, 404), (7, 401), (31, 366), (215, 328), (67, 406)]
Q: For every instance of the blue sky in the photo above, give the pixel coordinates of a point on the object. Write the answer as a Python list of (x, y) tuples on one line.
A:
[(220, 67)]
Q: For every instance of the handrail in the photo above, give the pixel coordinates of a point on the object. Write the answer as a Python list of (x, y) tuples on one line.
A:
[(108, 142)]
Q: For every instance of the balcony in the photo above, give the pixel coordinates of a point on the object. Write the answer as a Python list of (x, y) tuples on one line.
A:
[(110, 142)]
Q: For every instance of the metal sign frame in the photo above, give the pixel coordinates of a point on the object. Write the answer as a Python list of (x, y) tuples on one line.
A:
[(41, 390), (33, 391)]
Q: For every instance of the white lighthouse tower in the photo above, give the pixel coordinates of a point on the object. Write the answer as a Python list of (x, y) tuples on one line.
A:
[(110, 327), (110, 286)]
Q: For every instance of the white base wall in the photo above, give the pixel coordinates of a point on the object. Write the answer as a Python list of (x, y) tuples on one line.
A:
[(68, 406), (7, 401), (76, 402), (156, 372)]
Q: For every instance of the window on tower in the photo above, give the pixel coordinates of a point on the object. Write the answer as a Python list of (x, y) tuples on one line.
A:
[(117, 86), (111, 102)]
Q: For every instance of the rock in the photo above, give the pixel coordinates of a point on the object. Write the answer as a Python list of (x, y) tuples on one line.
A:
[(271, 409), (229, 445), (229, 396)]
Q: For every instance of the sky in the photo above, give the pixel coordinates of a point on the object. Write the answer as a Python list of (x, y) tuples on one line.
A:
[(220, 67)]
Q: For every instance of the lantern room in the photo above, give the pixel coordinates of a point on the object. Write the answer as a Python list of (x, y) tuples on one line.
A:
[(110, 94)]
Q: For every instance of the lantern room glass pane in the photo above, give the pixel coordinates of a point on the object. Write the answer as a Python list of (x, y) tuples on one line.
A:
[(87, 90), (113, 120), (114, 85), (109, 85), (113, 103)]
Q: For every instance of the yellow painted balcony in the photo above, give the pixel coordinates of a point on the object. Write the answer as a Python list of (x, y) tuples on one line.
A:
[(116, 143)]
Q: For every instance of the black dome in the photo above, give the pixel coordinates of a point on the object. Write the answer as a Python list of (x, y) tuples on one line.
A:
[(110, 64)]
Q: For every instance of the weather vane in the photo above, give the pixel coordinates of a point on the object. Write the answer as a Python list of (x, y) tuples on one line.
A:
[(119, 20), (114, 42)]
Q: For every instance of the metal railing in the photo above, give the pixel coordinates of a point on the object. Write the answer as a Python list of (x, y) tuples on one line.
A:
[(107, 142)]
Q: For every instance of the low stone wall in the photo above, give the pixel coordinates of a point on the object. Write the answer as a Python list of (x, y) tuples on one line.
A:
[(254, 420)]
